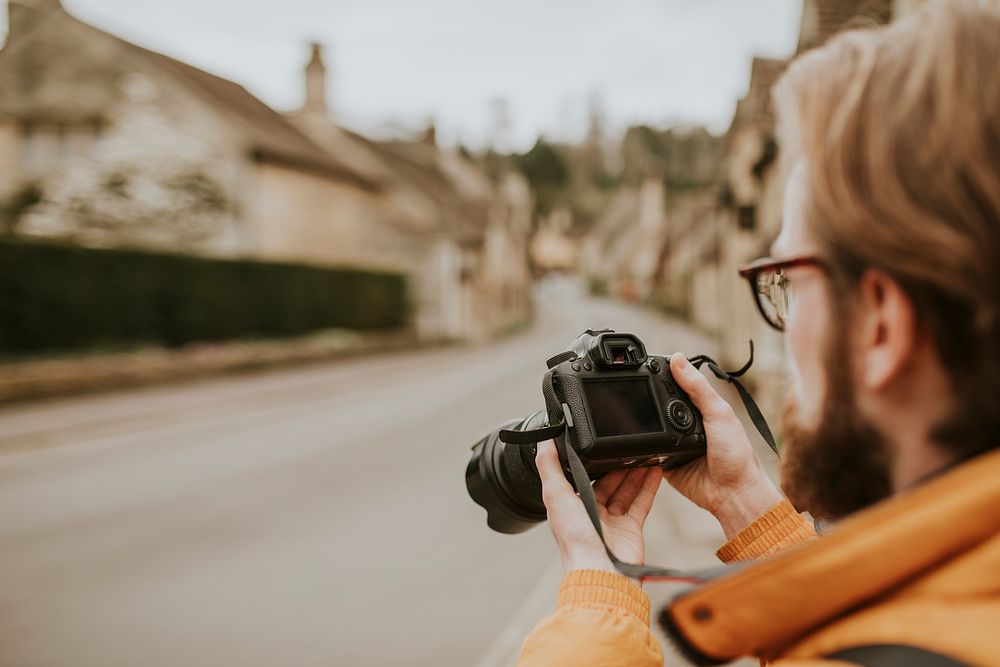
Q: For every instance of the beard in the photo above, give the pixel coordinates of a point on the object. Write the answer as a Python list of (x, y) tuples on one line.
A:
[(841, 464)]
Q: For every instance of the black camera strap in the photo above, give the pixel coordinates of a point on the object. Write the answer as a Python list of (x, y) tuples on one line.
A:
[(581, 480), (642, 572), (756, 416)]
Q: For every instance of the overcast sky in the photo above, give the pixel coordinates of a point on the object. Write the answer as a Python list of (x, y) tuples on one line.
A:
[(405, 61)]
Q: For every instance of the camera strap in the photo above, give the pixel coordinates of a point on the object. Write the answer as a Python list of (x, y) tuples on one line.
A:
[(581, 480), (642, 572), (756, 416)]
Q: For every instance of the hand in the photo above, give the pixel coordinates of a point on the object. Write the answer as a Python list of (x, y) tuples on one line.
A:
[(729, 480), (623, 499)]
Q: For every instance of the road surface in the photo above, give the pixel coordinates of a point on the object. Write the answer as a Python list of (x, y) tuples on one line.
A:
[(308, 516)]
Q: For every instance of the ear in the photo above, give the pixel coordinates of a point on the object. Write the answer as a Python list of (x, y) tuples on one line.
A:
[(888, 329)]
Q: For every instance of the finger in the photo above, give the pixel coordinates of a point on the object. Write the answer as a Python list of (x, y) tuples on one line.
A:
[(622, 499), (696, 385), (607, 485), (550, 470), (647, 493), (567, 517)]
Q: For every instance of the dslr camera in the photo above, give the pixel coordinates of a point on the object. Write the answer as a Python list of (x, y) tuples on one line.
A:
[(621, 409)]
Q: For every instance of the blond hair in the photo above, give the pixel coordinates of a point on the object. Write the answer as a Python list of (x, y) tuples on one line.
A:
[(899, 129)]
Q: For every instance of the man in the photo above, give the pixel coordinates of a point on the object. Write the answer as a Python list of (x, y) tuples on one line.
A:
[(886, 281)]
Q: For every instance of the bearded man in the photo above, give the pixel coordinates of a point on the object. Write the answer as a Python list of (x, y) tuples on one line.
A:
[(886, 282)]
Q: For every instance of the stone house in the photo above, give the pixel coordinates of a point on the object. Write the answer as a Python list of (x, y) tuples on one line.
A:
[(554, 247), (751, 218), (746, 218), (687, 283), (105, 143), (719, 229), (638, 245), (621, 251), (477, 268)]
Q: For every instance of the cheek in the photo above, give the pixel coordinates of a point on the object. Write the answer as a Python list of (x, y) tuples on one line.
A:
[(805, 339)]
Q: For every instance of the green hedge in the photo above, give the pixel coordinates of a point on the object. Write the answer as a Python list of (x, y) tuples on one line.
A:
[(60, 297)]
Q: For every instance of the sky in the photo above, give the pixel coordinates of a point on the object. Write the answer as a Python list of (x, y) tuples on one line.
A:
[(395, 65)]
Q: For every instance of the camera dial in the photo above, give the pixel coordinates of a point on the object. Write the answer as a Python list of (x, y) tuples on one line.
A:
[(679, 415)]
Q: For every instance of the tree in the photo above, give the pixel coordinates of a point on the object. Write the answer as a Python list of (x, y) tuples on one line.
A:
[(547, 173)]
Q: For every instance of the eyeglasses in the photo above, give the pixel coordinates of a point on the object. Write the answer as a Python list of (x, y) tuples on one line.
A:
[(772, 289)]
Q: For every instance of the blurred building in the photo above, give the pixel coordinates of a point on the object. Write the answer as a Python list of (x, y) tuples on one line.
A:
[(629, 250), (621, 251), (105, 143), (686, 280), (553, 246), (717, 229)]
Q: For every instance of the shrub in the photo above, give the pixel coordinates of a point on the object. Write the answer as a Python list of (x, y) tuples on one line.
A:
[(598, 285), (62, 297), (16, 204)]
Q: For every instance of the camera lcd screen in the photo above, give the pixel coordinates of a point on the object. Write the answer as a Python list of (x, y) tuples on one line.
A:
[(621, 407)]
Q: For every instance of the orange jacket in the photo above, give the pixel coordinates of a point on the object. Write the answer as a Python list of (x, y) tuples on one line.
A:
[(921, 569)]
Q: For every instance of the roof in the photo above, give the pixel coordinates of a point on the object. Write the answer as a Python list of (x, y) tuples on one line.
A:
[(272, 137), (755, 106), (823, 18), (430, 189), (820, 20), (269, 135), (457, 186)]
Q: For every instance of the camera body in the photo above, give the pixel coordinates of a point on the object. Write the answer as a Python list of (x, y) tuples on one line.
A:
[(622, 407)]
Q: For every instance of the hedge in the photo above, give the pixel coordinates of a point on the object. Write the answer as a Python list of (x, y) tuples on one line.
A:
[(63, 297)]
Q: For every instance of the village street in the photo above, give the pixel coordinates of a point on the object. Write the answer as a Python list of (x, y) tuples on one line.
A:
[(309, 516)]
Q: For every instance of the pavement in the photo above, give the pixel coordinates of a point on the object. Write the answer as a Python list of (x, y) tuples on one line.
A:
[(77, 373), (308, 516)]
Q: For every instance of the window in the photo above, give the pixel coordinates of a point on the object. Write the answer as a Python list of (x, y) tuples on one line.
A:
[(62, 142), (30, 149)]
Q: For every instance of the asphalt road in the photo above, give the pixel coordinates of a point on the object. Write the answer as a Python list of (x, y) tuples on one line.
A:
[(310, 516)]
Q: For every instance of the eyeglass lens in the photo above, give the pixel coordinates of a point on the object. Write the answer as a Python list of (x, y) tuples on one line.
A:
[(774, 293)]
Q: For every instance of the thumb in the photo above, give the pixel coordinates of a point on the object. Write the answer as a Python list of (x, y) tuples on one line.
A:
[(697, 387), (550, 470)]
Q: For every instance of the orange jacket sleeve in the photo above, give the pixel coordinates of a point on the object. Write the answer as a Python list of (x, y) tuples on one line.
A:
[(776, 530), (602, 618)]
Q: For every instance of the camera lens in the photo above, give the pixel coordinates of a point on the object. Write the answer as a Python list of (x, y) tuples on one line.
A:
[(679, 415), (504, 481)]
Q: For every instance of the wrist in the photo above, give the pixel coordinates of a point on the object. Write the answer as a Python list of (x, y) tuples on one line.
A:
[(742, 506), (587, 561)]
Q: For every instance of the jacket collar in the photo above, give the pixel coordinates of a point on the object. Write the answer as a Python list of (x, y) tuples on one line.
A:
[(763, 608)]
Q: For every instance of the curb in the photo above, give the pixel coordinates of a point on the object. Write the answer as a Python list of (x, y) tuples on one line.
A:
[(29, 380)]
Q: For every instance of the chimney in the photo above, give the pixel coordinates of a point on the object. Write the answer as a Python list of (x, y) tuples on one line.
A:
[(23, 14), (316, 82), (429, 135), (809, 29)]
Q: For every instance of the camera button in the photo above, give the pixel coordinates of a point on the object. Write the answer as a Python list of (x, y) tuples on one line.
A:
[(679, 415), (653, 365), (695, 440), (575, 366), (668, 381), (587, 366)]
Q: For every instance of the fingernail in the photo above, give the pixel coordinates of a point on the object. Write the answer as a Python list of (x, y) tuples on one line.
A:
[(680, 360)]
